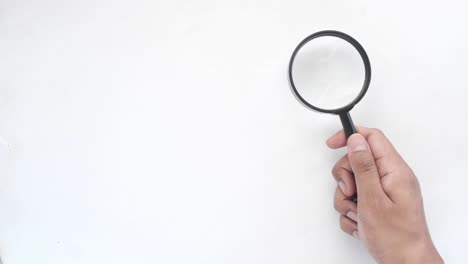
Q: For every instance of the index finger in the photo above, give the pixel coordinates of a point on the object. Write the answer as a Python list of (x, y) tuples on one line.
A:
[(385, 154)]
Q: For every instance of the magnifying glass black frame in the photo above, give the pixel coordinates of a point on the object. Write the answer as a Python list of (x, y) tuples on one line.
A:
[(343, 112)]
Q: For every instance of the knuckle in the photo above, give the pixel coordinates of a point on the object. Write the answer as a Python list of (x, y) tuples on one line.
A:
[(339, 170), (413, 183), (375, 135), (377, 131), (336, 201), (334, 170), (338, 167), (411, 188), (389, 183), (365, 165), (336, 206), (339, 173), (344, 224), (339, 204)]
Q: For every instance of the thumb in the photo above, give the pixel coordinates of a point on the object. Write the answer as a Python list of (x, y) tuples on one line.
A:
[(364, 168)]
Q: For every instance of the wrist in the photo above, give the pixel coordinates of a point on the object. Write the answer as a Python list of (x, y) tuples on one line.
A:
[(426, 255), (420, 253)]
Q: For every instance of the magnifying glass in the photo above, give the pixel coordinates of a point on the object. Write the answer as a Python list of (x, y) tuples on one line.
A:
[(330, 72)]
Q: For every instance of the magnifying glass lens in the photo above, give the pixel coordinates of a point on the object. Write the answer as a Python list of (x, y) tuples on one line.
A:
[(328, 72)]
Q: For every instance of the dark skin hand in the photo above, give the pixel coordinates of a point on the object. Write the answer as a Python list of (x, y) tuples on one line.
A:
[(389, 216)]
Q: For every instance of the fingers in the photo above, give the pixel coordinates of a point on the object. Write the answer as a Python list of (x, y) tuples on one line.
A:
[(387, 159), (338, 140), (379, 143), (386, 156), (343, 175), (365, 170), (377, 140), (348, 226), (344, 206), (348, 213)]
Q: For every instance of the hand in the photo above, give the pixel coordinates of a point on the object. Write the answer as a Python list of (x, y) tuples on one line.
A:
[(389, 215)]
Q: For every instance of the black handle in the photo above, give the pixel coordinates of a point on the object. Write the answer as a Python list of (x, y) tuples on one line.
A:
[(349, 129), (347, 123)]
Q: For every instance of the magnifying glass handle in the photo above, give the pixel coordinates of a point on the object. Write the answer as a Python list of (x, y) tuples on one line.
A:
[(349, 129), (347, 123)]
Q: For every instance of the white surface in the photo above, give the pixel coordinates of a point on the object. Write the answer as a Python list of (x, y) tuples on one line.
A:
[(165, 132)]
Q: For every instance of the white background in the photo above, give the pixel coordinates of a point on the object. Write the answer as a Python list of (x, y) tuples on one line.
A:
[(165, 131)]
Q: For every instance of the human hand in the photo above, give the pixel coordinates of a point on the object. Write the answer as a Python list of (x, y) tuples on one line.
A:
[(389, 215)]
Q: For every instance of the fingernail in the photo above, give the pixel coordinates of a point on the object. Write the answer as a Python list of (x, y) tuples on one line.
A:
[(357, 143), (352, 215), (342, 186), (356, 235)]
